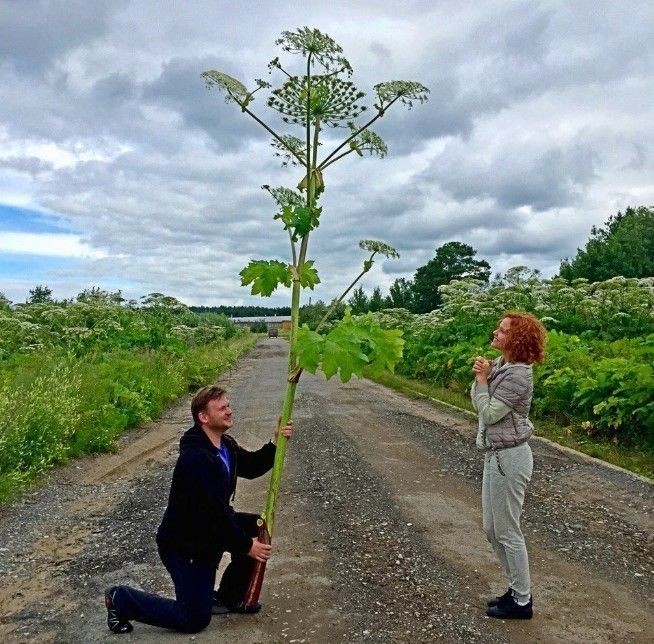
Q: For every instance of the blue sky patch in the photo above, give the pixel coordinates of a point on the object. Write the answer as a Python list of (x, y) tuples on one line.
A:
[(23, 220)]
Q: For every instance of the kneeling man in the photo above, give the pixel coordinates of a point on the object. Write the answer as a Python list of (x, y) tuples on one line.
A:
[(199, 525)]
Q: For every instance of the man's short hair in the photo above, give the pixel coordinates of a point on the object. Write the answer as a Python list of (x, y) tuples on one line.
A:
[(203, 397)]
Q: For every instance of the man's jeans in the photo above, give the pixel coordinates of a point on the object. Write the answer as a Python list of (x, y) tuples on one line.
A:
[(194, 583)]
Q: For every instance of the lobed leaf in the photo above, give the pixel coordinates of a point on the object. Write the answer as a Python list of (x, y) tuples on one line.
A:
[(265, 276), (351, 347), (308, 275)]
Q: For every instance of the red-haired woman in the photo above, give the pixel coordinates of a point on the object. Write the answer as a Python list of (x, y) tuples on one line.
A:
[(501, 395)]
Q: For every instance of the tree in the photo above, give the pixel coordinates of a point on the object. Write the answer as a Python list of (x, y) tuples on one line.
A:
[(359, 303), (314, 101), (376, 302), (96, 295), (401, 294), (40, 294), (312, 314), (452, 261), (623, 246)]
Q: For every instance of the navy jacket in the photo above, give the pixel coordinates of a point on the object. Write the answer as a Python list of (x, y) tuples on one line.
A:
[(199, 520)]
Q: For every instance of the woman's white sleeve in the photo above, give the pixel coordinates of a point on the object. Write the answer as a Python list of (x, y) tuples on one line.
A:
[(490, 410)]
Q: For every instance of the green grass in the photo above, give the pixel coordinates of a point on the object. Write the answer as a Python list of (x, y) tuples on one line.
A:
[(639, 461), (54, 406)]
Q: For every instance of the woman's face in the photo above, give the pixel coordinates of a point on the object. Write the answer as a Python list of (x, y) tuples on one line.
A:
[(500, 335)]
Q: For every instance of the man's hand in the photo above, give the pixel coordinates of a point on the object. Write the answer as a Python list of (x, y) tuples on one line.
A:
[(260, 551), (286, 431)]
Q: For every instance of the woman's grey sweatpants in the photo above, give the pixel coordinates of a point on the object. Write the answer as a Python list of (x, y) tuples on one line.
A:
[(506, 475)]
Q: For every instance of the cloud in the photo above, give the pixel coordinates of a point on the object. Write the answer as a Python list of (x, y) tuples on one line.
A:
[(539, 125), (47, 245)]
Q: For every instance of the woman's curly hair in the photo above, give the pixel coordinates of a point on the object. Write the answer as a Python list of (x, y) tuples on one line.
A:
[(526, 338)]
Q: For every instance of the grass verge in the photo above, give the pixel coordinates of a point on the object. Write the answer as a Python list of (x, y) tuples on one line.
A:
[(639, 461), (54, 406)]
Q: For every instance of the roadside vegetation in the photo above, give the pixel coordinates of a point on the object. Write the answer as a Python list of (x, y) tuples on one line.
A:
[(75, 374), (594, 390)]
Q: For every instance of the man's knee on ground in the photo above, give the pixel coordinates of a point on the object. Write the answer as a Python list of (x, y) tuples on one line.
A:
[(196, 622)]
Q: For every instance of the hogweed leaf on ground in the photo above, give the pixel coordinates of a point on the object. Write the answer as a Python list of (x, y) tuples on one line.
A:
[(265, 276)]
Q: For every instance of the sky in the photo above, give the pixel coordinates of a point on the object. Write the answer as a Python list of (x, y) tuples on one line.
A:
[(120, 169)]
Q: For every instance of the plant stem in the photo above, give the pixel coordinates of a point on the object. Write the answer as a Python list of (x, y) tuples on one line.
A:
[(267, 127), (379, 114), (336, 302)]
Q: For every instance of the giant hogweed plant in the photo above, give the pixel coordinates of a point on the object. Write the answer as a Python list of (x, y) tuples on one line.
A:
[(322, 96)]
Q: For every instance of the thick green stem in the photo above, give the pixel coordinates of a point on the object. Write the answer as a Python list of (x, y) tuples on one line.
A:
[(278, 466)]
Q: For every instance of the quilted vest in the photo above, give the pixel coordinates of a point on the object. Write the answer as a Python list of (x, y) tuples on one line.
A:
[(513, 384)]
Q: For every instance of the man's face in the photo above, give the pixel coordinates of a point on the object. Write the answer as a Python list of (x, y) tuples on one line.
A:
[(217, 416)]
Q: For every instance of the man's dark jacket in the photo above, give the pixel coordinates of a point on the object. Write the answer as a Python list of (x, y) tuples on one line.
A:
[(199, 520)]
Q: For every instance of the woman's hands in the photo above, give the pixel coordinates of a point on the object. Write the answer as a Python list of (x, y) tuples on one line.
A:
[(481, 368)]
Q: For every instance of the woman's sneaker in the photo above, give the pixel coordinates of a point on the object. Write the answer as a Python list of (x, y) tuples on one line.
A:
[(510, 609), (114, 622), (496, 601)]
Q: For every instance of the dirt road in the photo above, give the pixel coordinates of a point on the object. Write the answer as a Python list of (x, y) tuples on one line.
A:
[(379, 536)]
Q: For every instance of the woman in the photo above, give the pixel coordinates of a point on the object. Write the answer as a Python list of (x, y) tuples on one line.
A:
[(501, 395)]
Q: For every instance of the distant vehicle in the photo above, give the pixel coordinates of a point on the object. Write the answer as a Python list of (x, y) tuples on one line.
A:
[(272, 332)]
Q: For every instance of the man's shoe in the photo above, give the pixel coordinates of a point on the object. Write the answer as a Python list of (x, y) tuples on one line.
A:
[(500, 599), (221, 607), (114, 622), (510, 609)]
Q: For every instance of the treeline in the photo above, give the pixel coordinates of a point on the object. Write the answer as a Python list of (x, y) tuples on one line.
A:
[(242, 311)]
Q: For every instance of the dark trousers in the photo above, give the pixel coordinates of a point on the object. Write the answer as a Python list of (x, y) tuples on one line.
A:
[(194, 582)]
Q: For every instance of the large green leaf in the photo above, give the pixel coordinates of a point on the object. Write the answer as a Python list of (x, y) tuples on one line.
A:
[(265, 276), (309, 347), (300, 219), (308, 275), (342, 353), (349, 348)]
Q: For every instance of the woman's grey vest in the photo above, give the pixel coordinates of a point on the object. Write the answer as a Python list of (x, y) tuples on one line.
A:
[(513, 384)]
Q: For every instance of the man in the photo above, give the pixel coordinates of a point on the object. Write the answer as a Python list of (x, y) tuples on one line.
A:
[(199, 525)]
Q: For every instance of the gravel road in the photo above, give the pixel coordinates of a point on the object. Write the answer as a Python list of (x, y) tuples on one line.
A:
[(378, 535)]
